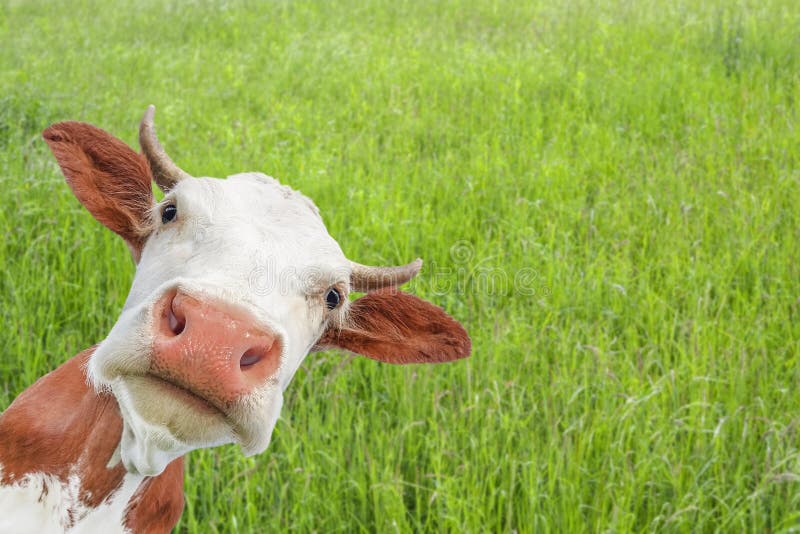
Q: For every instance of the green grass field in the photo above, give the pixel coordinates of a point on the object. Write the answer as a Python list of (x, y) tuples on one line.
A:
[(605, 193)]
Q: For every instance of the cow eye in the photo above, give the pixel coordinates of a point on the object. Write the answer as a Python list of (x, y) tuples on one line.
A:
[(169, 213), (332, 298)]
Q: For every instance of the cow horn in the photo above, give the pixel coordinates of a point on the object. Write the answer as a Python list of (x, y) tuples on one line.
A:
[(165, 172), (364, 278)]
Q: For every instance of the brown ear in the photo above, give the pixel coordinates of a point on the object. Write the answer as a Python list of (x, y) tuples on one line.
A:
[(395, 327), (109, 178)]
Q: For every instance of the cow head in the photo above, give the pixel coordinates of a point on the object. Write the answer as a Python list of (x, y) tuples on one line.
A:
[(237, 280)]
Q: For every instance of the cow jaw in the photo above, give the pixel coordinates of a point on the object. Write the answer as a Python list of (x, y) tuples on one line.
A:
[(158, 428)]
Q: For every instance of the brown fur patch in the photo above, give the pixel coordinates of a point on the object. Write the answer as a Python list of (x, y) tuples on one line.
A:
[(108, 177), (396, 327), (60, 424), (158, 504)]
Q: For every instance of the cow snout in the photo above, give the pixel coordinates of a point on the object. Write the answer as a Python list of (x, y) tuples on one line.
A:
[(213, 350)]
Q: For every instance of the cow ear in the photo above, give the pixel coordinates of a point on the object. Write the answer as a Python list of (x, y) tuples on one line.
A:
[(395, 327), (107, 176)]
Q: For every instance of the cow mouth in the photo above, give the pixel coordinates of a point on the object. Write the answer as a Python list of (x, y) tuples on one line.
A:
[(184, 395)]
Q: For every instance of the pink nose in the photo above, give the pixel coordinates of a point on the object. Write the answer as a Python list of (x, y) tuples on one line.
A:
[(214, 351)]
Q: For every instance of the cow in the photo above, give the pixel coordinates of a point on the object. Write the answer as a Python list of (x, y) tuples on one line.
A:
[(236, 282)]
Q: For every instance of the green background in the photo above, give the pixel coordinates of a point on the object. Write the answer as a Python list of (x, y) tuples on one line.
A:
[(605, 193)]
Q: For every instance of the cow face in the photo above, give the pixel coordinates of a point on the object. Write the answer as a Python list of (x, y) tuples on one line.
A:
[(237, 281)]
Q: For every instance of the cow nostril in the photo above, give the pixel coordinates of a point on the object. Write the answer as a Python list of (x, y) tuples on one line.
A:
[(177, 322), (250, 358)]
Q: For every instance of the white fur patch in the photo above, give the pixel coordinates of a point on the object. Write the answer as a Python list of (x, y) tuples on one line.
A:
[(247, 241), (42, 504)]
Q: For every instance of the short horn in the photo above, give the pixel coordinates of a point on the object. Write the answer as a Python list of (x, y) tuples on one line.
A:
[(364, 278), (165, 172)]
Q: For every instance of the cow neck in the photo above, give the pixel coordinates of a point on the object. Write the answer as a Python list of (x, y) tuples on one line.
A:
[(61, 427)]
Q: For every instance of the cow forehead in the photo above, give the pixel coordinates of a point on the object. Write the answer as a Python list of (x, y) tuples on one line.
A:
[(259, 197), (246, 234), (268, 191), (253, 212)]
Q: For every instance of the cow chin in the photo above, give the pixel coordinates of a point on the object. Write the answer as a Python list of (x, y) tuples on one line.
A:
[(160, 426)]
